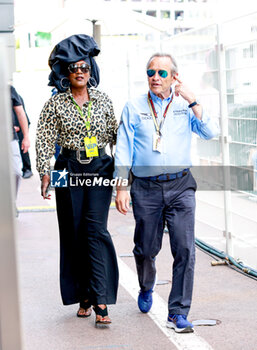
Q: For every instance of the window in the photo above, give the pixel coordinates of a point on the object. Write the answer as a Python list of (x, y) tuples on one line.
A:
[(151, 13), (179, 15), (249, 51), (165, 14)]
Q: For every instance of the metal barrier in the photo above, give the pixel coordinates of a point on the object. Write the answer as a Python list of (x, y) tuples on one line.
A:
[(219, 63)]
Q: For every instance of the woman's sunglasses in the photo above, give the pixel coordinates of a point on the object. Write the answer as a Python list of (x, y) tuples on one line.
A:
[(162, 73), (73, 68)]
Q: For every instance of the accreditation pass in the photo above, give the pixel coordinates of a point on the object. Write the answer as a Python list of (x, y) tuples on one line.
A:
[(157, 142)]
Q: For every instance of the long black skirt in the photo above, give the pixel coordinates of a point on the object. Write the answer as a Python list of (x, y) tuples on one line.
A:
[(88, 263)]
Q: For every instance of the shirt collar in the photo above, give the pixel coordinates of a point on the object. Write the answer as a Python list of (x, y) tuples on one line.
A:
[(68, 93), (155, 98)]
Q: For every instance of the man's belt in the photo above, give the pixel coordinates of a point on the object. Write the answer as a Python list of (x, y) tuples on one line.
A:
[(80, 155), (167, 177)]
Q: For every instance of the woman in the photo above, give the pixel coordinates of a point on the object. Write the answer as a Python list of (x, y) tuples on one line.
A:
[(82, 119)]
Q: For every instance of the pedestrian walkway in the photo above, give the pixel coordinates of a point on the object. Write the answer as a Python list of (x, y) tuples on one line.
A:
[(220, 293)]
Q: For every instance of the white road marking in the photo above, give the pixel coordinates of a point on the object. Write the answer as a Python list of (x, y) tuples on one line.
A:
[(158, 313)]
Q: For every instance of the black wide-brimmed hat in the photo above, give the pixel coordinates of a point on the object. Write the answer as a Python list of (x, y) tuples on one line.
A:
[(72, 49)]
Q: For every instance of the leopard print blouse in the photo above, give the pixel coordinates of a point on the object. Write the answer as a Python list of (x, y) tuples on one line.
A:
[(61, 122)]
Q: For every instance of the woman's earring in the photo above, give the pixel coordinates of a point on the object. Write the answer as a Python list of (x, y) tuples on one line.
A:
[(65, 83), (92, 82)]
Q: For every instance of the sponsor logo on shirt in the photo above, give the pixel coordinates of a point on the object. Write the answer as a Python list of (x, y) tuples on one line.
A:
[(179, 112), (145, 116)]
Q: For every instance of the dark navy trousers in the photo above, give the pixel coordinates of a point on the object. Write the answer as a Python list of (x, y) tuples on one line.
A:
[(155, 203)]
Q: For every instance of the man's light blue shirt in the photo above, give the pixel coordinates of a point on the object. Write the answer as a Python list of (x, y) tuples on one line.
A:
[(134, 148)]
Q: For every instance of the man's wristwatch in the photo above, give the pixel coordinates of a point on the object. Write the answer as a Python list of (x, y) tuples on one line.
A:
[(193, 104)]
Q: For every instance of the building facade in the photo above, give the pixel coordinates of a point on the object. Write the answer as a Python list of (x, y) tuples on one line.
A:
[(179, 15)]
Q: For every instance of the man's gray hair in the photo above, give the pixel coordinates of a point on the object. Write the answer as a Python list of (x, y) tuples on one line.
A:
[(174, 66)]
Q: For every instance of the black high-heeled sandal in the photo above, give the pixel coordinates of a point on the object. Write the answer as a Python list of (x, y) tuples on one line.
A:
[(101, 315), (86, 305)]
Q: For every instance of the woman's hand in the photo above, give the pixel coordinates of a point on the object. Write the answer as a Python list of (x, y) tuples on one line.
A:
[(45, 182)]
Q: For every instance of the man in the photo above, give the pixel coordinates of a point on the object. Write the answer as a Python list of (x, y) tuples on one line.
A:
[(18, 111), (26, 164), (154, 141)]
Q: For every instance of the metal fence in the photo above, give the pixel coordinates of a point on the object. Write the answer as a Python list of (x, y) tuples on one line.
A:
[(220, 63)]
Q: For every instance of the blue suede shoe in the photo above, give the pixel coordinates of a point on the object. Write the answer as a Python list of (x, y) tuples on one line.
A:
[(179, 323), (145, 300)]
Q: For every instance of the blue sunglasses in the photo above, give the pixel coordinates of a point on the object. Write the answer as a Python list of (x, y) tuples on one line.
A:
[(162, 73)]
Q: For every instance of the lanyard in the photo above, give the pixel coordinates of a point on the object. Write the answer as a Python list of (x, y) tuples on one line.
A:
[(86, 121), (154, 113)]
